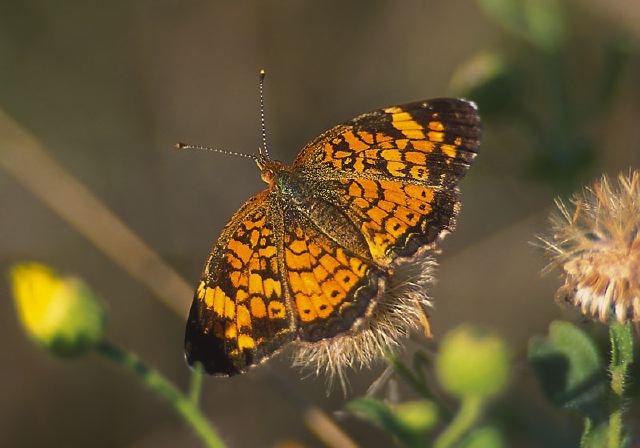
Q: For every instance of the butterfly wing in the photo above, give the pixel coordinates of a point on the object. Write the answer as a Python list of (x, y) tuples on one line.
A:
[(240, 314), (332, 288), (395, 171)]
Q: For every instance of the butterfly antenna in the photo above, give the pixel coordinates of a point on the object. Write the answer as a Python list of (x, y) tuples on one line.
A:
[(263, 127), (181, 146)]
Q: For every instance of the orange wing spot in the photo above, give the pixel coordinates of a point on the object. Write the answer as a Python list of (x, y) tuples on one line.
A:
[(418, 192), (314, 249), (320, 273), (387, 145), (449, 150), (229, 308), (436, 136), (419, 172), (358, 266), (243, 251), (393, 110), (341, 257), (402, 143), (402, 117), (241, 295), (297, 261), (333, 291), (386, 205), (276, 310), (366, 137), (407, 215), (377, 214), (421, 207), (305, 308), (422, 145), (208, 297), (255, 284), (380, 137), (395, 168), (310, 282), (243, 316), (419, 158), (371, 154), (436, 126), (298, 246), (258, 308), (245, 342), (295, 282), (361, 203), (322, 305), (414, 134), (230, 331), (355, 190), (238, 280), (392, 155), (272, 287), (354, 142), (346, 278), (370, 188), (266, 231), (254, 237), (341, 154), (235, 262), (457, 141), (218, 301), (201, 291), (395, 227), (267, 252), (358, 165), (252, 224), (329, 263)]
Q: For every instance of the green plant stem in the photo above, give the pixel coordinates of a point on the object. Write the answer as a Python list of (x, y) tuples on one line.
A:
[(155, 381), (463, 421), (195, 386), (621, 357), (586, 432)]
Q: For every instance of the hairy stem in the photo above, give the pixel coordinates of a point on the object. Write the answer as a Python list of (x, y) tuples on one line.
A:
[(185, 406), (621, 357)]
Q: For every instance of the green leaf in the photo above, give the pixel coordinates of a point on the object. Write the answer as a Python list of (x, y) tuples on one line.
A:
[(485, 437), (489, 80), (407, 422), (540, 22), (616, 54), (570, 369)]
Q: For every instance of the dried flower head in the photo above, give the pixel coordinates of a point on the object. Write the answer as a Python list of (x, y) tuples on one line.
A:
[(596, 241), (401, 309)]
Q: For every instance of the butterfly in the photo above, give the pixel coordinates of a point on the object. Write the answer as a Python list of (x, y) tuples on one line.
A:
[(308, 259)]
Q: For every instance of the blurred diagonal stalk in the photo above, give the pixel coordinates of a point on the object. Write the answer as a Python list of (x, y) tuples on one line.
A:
[(26, 159)]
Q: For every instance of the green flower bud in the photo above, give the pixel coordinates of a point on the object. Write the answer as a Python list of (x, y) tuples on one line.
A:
[(473, 363), (60, 314), (417, 416)]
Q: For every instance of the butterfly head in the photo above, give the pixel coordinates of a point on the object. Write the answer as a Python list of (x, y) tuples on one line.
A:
[(269, 168)]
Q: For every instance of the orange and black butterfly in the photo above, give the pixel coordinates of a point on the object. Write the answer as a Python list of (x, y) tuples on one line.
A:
[(309, 258)]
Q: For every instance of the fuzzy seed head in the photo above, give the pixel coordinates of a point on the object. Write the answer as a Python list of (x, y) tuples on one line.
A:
[(596, 241), (401, 309)]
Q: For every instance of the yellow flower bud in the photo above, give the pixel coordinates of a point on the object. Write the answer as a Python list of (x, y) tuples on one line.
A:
[(61, 314)]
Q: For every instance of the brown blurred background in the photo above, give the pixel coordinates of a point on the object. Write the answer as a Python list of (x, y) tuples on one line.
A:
[(109, 87)]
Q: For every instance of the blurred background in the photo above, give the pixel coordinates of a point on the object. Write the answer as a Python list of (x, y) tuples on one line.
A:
[(107, 88)]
